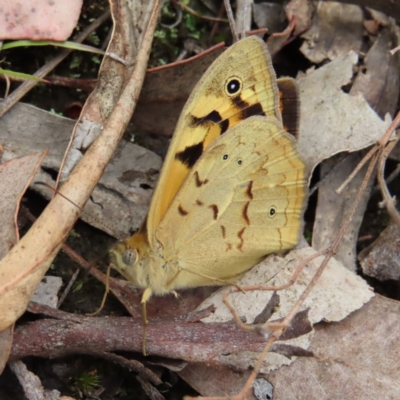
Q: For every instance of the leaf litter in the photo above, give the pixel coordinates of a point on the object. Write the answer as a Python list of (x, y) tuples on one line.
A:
[(350, 125)]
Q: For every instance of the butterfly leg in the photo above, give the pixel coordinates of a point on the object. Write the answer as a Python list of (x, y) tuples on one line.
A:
[(146, 296)]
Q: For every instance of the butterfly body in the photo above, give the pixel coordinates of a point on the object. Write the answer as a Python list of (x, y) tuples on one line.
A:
[(232, 188)]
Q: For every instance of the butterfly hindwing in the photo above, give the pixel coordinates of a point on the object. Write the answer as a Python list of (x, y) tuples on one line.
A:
[(242, 200), (289, 105)]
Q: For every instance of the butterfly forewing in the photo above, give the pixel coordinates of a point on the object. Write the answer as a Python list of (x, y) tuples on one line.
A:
[(239, 84), (242, 200)]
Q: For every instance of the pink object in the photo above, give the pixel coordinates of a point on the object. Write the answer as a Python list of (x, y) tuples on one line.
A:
[(38, 19)]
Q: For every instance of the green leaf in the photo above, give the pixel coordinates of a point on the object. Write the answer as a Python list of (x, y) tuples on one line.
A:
[(21, 75), (66, 45)]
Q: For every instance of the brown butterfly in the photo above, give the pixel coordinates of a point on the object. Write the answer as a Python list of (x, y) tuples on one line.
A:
[(233, 186)]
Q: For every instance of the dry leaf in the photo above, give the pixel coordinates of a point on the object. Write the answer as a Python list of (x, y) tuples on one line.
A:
[(333, 120), (125, 188), (15, 176), (162, 98), (328, 221), (379, 82), (337, 293), (6, 339), (269, 15), (381, 259), (356, 358), (47, 290), (303, 11), (337, 29)]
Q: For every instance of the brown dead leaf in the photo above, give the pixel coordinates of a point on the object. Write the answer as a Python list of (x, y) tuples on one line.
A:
[(356, 358), (166, 89), (15, 176), (333, 120), (379, 82), (269, 15), (125, 188), (337, 293), (277, 40), (303, 11), (6, 339), (379, 85), (328, 220), (389, 7), (211, 381), (381, 259), (336, 30), (380, 17)]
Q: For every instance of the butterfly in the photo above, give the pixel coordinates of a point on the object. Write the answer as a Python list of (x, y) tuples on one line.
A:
[(233, 186)]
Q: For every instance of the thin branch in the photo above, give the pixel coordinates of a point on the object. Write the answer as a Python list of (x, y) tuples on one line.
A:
[(243, 16), (68, 287), (195, 13), (365, 159), (231, 20)]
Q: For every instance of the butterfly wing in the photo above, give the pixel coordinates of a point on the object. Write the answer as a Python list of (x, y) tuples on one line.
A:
[(239, 84), (242, 200)]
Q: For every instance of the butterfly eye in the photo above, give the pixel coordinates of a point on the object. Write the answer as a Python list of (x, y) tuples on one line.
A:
[(225, 157), (129, 256), (233, 86), (272, 211)]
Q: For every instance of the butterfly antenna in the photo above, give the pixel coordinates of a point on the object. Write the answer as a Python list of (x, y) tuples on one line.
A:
[(145, 323), (107, 289)]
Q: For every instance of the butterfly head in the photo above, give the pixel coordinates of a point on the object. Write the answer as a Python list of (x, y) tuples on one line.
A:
[(127, 254)]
